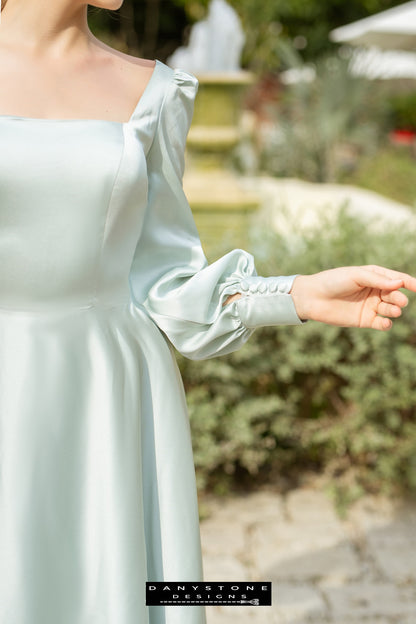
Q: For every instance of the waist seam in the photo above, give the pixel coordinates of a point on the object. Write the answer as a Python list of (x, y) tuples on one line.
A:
[(69, 308)]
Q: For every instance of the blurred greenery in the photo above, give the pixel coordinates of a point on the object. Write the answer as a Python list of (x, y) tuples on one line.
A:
[(305, 23), (294, 400), (145, 28), (155, 28), (337, 402), (315, 118), (336, 127), (402, 108), (317, 123), (390, 172)]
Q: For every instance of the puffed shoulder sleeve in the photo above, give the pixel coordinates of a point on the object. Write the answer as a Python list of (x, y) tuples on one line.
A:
[(170, 275)]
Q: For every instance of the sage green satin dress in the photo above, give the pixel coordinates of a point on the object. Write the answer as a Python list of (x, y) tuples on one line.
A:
[(101, 272)]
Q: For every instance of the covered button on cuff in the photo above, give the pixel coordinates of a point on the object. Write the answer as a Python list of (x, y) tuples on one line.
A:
[(261, 285), (266, 301)]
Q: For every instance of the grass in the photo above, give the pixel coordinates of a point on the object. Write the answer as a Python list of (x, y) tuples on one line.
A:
[(390, 172)]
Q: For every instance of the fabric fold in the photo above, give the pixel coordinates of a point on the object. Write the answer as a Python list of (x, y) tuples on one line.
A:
[(170, 275)]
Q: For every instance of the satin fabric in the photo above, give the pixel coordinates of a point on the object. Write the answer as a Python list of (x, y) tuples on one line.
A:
[(101, 274)]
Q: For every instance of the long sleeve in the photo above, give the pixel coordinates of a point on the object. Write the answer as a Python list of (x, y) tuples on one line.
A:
[(170, 275)]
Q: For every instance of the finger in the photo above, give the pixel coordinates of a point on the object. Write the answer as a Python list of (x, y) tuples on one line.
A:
[(395, 297), (409, 282), (387, 309), (371, 279), (392, 273), (382, 323)]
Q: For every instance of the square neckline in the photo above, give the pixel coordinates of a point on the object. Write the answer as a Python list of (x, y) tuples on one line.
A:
[(139, 104)]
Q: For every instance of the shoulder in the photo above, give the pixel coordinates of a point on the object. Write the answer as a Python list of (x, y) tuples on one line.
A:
[(132, 67), (138, 69)]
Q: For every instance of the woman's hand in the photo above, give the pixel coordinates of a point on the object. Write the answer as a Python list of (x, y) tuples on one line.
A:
[(357, 296)]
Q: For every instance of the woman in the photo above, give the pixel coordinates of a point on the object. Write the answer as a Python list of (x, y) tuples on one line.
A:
[(101, 271)]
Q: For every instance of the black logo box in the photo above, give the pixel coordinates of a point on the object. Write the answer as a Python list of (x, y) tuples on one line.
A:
[(206, 593)]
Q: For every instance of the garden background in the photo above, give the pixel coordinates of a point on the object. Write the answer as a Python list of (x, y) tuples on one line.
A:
[(312, 400)]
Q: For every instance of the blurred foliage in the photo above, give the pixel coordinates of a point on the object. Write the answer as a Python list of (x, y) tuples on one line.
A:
[(144, 28), (155, 28), (304, 23), (335, 401), (340, 402), (390, 172), (402, 108), (316, 117)]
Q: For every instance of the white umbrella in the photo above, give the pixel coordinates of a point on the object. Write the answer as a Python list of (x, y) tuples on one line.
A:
[(383, 64), (391, 29)]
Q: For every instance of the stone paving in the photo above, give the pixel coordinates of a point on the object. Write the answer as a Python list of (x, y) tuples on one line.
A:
[(360, 570)]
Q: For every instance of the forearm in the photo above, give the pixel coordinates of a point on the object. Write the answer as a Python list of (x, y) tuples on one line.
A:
[(356, 296)]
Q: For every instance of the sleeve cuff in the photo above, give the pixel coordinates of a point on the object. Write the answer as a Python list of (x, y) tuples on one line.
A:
[(266, 301)]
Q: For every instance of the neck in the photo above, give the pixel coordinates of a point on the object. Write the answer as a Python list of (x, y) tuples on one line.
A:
[(45, 28)]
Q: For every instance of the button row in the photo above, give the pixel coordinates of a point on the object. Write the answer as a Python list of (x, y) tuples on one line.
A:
[(262, 285)]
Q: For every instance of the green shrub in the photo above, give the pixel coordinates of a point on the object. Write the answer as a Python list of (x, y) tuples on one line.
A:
[(336, 401), (402, 108), (317, 120)]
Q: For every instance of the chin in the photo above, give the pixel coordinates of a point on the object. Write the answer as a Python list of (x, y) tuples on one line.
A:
[(111, 5)]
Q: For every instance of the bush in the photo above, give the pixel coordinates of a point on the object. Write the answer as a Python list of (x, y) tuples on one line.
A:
[(317, 121), (337, 401), (403, 111)]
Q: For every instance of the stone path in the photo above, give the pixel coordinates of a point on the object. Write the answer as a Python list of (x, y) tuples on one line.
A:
[(361, 570)]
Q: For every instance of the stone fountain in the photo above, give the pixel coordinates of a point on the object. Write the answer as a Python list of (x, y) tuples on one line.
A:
[(221, 206)]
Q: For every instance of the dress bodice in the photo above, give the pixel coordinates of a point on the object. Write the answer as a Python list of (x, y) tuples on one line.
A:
[(73, 194), (93, 213), (68, 226)]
